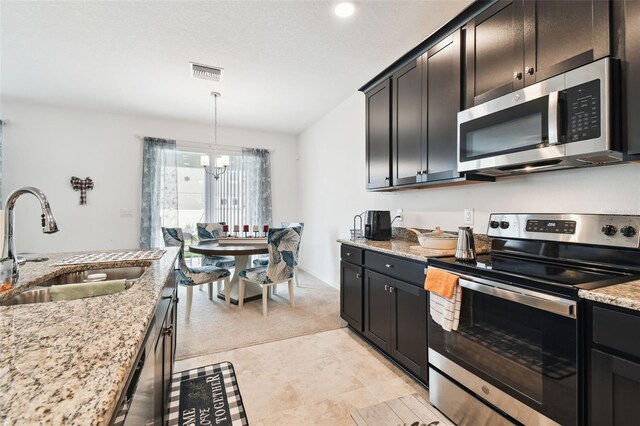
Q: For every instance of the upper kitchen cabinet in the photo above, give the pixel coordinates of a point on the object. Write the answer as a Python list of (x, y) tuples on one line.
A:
[(517, 43), (441, 103), (407, 127), (563, 35), (378, 136), (495, 52)]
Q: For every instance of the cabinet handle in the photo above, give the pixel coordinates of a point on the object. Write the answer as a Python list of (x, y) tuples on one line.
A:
[(388, 265), (529, 70), (517, 75), (419, 172), (176, 299), (167, 330), (348, 254), (391, 289), (358, 276), (424, 172), (166, 297), (386, 287)]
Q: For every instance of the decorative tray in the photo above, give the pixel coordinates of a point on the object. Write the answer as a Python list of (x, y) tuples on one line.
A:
[(119, 256), (242, 240)]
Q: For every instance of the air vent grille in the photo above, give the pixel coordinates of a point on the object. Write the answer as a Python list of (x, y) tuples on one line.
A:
[(205, 72)]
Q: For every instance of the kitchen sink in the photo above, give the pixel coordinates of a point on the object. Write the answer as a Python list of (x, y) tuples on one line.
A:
[(40, 293)]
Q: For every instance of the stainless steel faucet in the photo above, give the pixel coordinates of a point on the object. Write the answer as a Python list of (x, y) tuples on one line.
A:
[(49, 226)]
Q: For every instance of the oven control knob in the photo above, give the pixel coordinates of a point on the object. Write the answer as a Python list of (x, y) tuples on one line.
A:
[(609, 230), (494, 224), (504, 225), (628, 231)]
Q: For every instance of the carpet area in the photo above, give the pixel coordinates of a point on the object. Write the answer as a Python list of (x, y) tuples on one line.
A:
[(215, 327)]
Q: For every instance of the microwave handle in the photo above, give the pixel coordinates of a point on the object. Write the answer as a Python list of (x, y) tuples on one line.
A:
[(554, 118)]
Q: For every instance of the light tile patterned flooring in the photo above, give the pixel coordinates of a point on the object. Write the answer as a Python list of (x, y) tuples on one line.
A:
[(317, 379)]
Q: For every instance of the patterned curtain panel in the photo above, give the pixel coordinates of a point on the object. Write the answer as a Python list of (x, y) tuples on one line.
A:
[(256, 194), (159, 190)]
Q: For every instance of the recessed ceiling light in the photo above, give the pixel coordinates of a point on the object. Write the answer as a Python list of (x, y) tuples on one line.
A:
[(344, 10)]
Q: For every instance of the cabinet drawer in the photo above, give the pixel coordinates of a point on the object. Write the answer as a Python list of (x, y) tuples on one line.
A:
[(351, 254), (404, 270), (616, 330)]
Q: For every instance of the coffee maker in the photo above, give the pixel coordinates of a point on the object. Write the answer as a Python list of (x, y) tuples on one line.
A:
[(377, 225)]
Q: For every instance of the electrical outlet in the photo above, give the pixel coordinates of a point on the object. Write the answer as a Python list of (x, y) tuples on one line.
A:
[(126, 213), (399, 214), (468, 216)]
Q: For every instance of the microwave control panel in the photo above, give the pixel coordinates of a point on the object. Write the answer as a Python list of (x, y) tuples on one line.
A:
[(583, 111)]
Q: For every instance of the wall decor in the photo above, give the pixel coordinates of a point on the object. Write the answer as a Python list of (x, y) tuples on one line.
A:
[(82, 185)]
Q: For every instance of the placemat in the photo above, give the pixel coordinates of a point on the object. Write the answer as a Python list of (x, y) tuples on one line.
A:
[(118, 256)]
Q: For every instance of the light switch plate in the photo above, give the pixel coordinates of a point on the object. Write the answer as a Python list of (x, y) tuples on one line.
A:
[(468, 216)]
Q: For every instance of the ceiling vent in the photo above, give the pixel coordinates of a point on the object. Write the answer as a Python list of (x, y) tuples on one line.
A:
[(205, 72)]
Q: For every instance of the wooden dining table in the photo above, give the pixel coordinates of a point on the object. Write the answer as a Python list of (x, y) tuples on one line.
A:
[(242, 254)]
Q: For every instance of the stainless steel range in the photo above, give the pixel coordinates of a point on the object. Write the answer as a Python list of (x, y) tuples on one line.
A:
[(516, 352)]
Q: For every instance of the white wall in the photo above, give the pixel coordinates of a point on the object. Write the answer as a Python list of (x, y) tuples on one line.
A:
[(332, 182), (44, 146)]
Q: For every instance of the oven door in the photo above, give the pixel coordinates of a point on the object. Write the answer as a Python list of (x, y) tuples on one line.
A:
[(519, 341), (522, 129)]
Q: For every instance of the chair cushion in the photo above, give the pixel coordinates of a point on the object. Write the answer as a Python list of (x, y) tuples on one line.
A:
[(202, 275), (261, 261), (259, 275)]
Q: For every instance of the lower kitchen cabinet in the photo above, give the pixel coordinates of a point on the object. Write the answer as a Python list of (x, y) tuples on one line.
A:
[(395, 315), (613, 372), (351, 294)]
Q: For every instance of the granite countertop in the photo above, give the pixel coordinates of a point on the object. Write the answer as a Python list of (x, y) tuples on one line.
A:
[(67, 362), (402, 247), (626, 295)]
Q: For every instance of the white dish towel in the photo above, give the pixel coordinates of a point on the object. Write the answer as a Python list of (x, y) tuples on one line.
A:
[(446, 312)]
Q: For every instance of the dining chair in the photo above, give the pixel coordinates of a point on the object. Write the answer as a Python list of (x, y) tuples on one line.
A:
[(192, 276), (283, 245), (264, 260), (211, 231)]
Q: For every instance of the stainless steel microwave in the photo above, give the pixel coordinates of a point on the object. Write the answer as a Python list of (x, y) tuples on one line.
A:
[(566, 121)]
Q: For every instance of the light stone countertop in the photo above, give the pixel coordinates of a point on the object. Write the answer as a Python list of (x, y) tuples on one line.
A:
[(402, 248), (67, 362), (626, 295)]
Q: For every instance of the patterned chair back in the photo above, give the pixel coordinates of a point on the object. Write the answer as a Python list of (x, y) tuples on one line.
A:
[(293, 224), (173, 237), (209, 231), (283, 245)]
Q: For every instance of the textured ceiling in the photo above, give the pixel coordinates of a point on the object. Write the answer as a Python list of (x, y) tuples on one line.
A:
[(286, 63)]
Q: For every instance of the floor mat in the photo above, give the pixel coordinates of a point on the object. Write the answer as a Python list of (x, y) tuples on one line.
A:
[(205, 396)]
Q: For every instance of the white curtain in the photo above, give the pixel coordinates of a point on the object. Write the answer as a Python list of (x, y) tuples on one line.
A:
[(159, 190)]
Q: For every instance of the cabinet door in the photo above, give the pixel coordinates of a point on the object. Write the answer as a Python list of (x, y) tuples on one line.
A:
[(378, 134), (495, 52), (627, 18), (441, 95), (377, 309), (409, 327), (614, 391), (351, 294), (407, 124), (563, 35), (167, 370)]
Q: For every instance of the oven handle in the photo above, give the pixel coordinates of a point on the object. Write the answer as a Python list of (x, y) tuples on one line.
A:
[(552, 119), (534, 299)]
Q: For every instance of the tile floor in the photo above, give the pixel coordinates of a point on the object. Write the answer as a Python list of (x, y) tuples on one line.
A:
[(317, 379)]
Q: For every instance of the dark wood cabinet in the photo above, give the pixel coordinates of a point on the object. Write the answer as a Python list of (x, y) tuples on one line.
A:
[(378, 136), (441, 104), (409, 327), (626, 45), (614, 391), (613, 365), (407, 138), (517, 43), (495, 52), (563, 35), (377, 309), (351, 294)]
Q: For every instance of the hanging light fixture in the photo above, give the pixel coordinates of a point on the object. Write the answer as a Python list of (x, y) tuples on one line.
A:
[(222, 162)]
